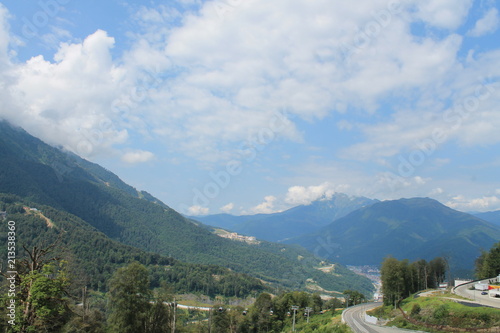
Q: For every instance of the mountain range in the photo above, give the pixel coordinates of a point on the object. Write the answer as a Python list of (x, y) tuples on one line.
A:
[(416, 228), (492, 217), (41, 175), (291, 223), (360, 231)]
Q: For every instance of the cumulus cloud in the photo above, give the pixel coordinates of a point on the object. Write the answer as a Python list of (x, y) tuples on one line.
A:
[(227, 208), (197, 211), (266, 207), (138, 156), (301, 195), (447, 14), (487, 24), (208, 82), (68, 101), (485, 203), (436, 191)]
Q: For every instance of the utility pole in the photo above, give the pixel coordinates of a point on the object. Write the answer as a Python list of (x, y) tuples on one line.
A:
[(84, 302), (294, 308), (308, 311), (175, 310)]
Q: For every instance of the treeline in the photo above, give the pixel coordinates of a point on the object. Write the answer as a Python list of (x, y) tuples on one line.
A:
[(400, 278), (276, 314), (92, 257), (43, 302), (488, 263)]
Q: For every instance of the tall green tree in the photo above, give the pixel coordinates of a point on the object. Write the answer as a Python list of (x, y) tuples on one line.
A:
[(354, 297), (393, 280), (401, 278), (41, 297), (488, 263), (129, 299)]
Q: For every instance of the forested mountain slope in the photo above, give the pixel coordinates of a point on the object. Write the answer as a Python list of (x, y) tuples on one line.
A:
[(417, 228), (293, 222), (93, 257), (45, 175)]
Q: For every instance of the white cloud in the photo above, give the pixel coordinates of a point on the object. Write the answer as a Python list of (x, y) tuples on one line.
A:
[(301, 195), (138, 156), (436, 191), (207, 83), (487, 24), (69, 101), (227, 208), (197, 211), (485, 203), (266, 207), (448, 14)]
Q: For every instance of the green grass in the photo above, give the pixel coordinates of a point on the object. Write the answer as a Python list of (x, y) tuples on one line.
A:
[(439, 311)]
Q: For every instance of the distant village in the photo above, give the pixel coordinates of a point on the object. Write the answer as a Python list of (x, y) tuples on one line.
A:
[(237, 237)]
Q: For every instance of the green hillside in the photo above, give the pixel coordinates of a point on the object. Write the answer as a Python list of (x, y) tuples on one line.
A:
[(418, 228), (93, 257), (44, 175), (293, 222), (492, 217)]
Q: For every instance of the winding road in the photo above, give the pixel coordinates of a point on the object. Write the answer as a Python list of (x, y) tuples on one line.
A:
[(475, 295), (355, 318)]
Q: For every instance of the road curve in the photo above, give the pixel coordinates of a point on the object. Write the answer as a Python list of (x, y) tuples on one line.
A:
[(355, 318), (475, 295)]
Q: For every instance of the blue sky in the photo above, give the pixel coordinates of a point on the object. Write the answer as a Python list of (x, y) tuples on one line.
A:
[(256, 106)]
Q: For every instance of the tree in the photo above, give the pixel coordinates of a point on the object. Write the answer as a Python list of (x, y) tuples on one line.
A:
[(333, 304), (46, 307), (488, 264), (393, 280), (41, 295), (129, 297), (354, 297), (438, 267), (160, 317)]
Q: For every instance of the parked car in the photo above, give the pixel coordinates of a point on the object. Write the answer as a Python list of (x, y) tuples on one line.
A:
[(484, 293)]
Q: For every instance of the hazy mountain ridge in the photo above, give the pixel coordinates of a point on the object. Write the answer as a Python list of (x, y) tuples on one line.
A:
[(42, 174), (492, 217), (293, 222), (417, 228)]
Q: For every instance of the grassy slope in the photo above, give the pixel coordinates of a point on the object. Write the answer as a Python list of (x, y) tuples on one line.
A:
[(439, 311)]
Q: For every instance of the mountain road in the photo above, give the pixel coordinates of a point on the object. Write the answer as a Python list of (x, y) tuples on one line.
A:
[(355, 317)]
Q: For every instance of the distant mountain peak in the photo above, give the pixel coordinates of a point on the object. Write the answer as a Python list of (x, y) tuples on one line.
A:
[(293, 222), (408, 228)]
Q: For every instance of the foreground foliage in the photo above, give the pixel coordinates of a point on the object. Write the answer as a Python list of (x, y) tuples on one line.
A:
[(438, 314), (488, 264), (400, 278)]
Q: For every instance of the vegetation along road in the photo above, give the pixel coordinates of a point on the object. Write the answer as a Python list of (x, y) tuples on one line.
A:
[(355, 318)]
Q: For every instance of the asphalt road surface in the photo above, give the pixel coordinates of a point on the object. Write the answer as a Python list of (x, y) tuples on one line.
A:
[(355, 318), (475, 295)]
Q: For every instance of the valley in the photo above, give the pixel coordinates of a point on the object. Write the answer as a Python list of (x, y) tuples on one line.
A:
[(96, 226)]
